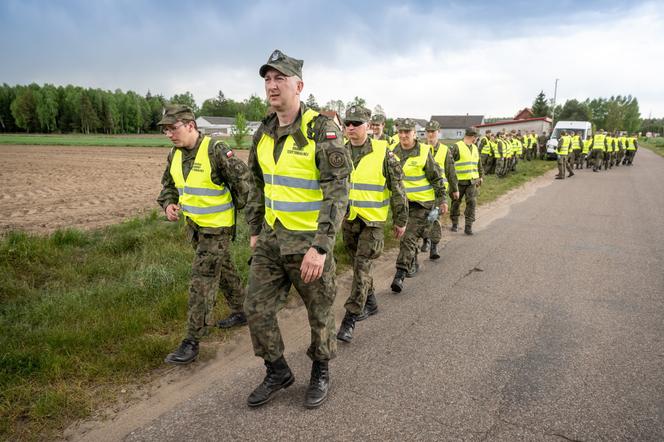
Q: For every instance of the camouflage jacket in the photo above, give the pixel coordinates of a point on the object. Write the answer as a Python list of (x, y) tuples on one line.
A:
[(334, 182), (227, 169), (432, 171), (394, 182)]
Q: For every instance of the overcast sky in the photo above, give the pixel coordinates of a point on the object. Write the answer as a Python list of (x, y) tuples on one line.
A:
[(414, 58)]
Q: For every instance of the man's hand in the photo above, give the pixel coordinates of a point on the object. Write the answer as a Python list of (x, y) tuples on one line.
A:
[(312, 266), (455, 195), (399, 231), (443, 208), (173, 212), (252, 241)]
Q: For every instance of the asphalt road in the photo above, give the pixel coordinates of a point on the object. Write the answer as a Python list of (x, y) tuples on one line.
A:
[(547, 324)]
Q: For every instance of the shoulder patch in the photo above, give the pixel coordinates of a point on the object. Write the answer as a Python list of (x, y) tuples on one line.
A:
[(330, 135), (229, 153), (336, 159)]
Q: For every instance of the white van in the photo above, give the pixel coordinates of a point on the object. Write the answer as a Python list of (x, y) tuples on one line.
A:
[(583, 128)]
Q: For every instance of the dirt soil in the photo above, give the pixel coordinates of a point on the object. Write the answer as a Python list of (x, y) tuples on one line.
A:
[(51, 187)]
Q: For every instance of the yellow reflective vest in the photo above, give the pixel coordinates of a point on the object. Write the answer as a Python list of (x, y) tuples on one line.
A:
[(292, 184), (586, 146), (486, 146), (564, 144), (440, 156), (599, 142), (609, 144), (631, 143), (369, 196), (418, 187), (576, 142), (207, 204), (466, 166)]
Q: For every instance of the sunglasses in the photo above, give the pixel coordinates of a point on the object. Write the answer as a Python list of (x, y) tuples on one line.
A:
[(353, 123)]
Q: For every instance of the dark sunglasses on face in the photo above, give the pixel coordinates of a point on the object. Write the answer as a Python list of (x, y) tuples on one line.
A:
[(353, 123)]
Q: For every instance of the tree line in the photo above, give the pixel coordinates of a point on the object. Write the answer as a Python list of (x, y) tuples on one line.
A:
[(617, 113), (74, 109)]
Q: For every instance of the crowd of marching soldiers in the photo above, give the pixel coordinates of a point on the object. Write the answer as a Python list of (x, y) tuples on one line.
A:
[(501, 152)]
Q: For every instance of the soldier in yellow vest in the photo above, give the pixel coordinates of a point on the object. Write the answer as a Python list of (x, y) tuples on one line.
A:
[(585, 159), (518, 150), (621, 145), (597, 149), (444, 159), (425, 188), (470, 175), (376, 184), (300, 171), (608, 155), (632, 145), (378, 130), (205, 182), (486, 151), (500, 150), (575, 151), (563, 149)]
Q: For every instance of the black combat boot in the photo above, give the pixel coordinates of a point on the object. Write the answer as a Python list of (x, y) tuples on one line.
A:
[(237, 318), (570, 174), (370, 307), (319, 384), (184, 354), (425, 245), (346, 328), (278, 376), (433, 253), (455, 227), (397, 282), (468, 230)]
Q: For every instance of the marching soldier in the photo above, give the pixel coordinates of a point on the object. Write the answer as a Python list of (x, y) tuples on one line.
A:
[(300, 171), (597, 148), (470, 175), (425, 188), (376, 184), (205, 182)]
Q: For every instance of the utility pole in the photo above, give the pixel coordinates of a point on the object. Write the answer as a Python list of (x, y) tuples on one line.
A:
[(555, 93)]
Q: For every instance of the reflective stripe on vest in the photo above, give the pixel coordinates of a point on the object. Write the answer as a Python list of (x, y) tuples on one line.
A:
[(292, 186), (204, 202), (599, 142), (466, 166), (440, 156), (369, 196), (418, 187)]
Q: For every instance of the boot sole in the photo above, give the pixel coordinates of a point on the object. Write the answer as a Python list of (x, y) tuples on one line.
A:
[(344, 339), (317, 404), (169, 361), (273, 394)]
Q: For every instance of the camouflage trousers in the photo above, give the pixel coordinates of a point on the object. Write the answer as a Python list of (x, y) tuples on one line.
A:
[(212, 269), (487, 162), (501, 167), (270, 279), (563, 163), (598, 158), (416, 228), (469, 192), (364, 245), (620, 155)]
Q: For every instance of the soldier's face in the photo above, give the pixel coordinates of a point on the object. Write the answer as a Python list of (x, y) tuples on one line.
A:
[(282, 92), (407, 138), (182, 134), (432, 136), (377, 129), (356, 132)]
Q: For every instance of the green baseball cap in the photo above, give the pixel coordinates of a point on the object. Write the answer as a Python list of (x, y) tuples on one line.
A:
[(176, 112), (471, 132), (358, 113), (406, 124), (283, 63), (378, 119), (432, 125)]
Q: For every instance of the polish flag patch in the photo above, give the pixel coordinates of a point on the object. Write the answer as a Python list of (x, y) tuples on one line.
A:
[(229, 154), (330, 135)]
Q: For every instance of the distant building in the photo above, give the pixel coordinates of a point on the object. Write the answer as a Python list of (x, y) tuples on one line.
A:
[(222, 125), (524, 114), (453, 127), (539, 125)]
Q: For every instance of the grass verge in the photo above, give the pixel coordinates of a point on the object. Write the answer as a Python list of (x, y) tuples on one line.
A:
[(82, 313), (654, 144), (99, 140)]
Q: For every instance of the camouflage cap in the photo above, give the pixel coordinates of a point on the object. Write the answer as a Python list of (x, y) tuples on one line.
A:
[(358, 113), (283, 63), (176, 112), (432, 125), (406, 124), (471, 132), (378, 119)]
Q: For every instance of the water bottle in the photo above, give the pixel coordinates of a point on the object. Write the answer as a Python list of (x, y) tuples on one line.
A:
[(433, 215)]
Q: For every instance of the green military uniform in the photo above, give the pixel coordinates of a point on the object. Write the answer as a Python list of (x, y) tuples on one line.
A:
[(597, 148), (486, 154), (418, 208), (563, 151), (279, 251), (631, 146), (376, 184), (212, 267), (500, 148), (469, 173)]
